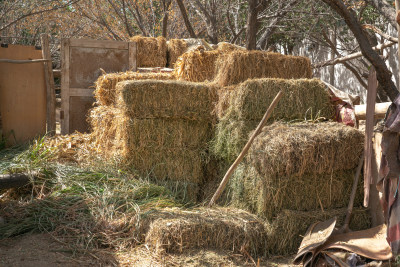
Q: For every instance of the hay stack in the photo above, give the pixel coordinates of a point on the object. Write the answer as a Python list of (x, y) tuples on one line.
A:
[(160, 128), (248, 102), (228, 47), (105, 84), (196, 66), (303, 166), (239, 66), (220, 228), (287, 231), (151, 51), (176, 47)]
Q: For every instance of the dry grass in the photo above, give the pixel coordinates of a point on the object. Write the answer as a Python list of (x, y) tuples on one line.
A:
[(105, 85), (151, 51), (166, 99), (196, 66), (228, 47), (238, 66), (287, 230), (218, 228), (176, 47)]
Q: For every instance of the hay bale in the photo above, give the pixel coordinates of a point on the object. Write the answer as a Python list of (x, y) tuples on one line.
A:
[(218, 228), (106, 84), (267, 195), (166, 99), (302, 99), (300, 148), (228, 47), (151, 51), (176, 47), (196, 66), (238, 66), (287, 231)]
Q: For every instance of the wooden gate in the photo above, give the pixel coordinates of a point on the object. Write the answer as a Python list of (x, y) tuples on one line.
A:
[(82, 63)]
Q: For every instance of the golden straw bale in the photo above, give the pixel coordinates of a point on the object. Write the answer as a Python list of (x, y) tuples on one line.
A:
[(106, 84), (176, 47), (196, 66), (151, 51), (288, 229), (238, 66), (228, 47), (166, 99), (217, 228)]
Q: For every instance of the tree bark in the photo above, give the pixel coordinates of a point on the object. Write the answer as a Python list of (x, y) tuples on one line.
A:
[(186, 19), (166, 5), (383, 74), (252, 26)]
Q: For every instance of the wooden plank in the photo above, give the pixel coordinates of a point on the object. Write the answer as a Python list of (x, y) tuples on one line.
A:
[(50, 90), (380, 110), (99, 44), (132, 56), (57, 73), (65, 86), (23, 61), (81, 91), (369, 130)]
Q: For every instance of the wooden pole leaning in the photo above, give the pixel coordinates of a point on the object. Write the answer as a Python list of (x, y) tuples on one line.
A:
[(245, 149)]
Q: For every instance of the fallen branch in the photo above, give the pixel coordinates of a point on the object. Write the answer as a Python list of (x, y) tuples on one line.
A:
[(245, 149)]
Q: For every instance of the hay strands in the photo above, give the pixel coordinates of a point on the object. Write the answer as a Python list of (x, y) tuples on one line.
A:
[(245, 149)]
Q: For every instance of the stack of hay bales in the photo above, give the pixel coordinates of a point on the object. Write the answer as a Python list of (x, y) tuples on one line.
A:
[(299, 169), (176, 47), (247, 103), (160, 128), (151, 51)]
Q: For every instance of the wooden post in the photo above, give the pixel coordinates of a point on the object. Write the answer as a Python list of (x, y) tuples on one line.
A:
[(397, 4), (50, 90), (245, 149), (369, 131)]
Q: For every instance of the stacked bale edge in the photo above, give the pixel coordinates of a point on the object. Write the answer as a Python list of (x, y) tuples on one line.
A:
[(151, 51), (160, 128), (176, 47), (238, 66), (249, 101), (105, 84)]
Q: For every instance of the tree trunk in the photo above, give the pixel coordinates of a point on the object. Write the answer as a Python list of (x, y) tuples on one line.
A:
[(186, 19), (252, 26), (166, 4), (383, 75)]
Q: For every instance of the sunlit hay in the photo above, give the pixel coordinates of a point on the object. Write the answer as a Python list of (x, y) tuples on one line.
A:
[(224, 100), (228, 47), (267, 195), (218, 228), (302, 98), (301, 148), (288, 229), (176, 47), (105, 84), (76, 147), (196, 66), (238, 66), (151, 51), (167, 99)]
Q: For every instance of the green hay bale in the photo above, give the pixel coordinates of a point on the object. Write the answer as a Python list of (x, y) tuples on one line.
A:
[(301, 99), (151, 51), (166, 99), (241, 65), (300, 148), (267, 195), (287, 231), (218, 228), (105, 93)]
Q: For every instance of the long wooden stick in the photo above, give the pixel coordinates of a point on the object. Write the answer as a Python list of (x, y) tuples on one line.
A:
[(245, 149), (14, 61)]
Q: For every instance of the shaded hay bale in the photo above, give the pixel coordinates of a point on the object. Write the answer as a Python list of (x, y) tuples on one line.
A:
[(238, 66), (196, 66), (151, 51), (300, 148), (166, 99), (267, 195), (287, 231), (218, 228), (176, 47), (105, 85)]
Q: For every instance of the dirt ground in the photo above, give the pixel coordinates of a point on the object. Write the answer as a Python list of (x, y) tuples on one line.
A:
[(43, 250)]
